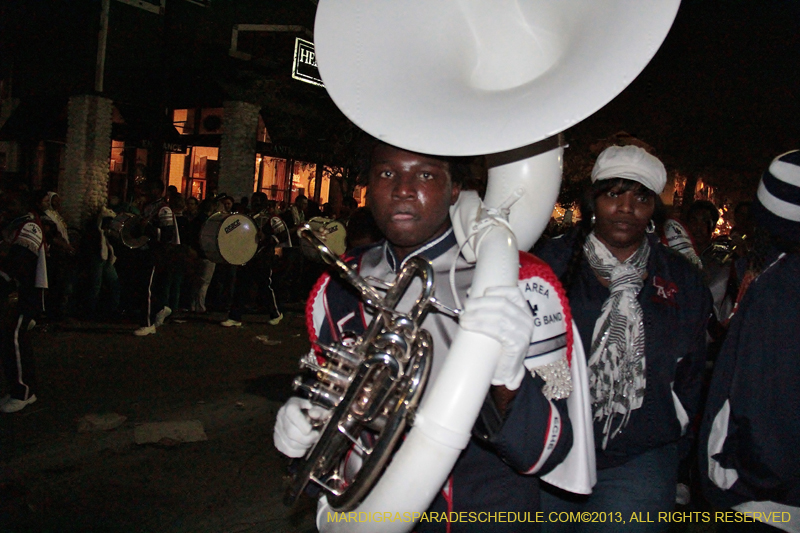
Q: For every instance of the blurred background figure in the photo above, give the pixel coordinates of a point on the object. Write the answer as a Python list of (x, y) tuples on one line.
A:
[(362, 229), (751, 428), (192, 207), (159, 224), (21, 280), (61, 257), (204, 268), (101, 271)]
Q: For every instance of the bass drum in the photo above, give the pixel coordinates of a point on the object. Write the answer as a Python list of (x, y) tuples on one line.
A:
[(331, 232), (127, 229), (229, 238)]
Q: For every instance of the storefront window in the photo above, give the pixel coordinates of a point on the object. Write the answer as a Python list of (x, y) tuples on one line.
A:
[(202, 158), (324, 190), (177, 172), (117, 161), (183, 120), (360, 194), (197, 189), (302, 179), (270, 177), (195, 173)]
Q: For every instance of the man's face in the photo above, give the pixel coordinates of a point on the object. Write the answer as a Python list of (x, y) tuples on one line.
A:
[(409, 195)]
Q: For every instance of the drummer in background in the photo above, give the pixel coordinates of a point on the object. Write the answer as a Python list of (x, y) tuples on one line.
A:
[(180, 255), (21, 245), (256, 271), (280, 231), (293, 259), (221, 289), (204, 267), (159, 224), (225, 204)]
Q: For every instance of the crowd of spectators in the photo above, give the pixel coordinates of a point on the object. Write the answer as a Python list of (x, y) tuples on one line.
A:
[(94, 275)]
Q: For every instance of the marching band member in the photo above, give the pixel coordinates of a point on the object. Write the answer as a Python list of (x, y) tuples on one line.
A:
[(257, 271), (751, 431), (524, 429), (159, 225), (21, 273)]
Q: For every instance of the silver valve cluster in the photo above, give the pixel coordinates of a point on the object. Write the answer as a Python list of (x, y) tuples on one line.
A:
[(331, 378)]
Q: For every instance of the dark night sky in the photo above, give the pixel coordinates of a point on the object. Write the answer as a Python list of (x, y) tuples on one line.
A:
[(721, 95)]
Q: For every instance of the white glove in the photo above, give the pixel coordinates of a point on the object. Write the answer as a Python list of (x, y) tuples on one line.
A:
[(502, 314), (294, 433)]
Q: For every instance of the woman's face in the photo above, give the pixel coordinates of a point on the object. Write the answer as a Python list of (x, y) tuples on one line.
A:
[(622, 218), (55, 202)]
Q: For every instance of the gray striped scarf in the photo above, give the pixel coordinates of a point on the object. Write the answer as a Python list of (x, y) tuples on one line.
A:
[(617, 364)]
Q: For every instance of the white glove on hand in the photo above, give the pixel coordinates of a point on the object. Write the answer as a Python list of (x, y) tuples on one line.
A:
[(294, 433), (502, 314)]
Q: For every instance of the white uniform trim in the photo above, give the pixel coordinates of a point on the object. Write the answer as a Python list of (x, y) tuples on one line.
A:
[(722, 477), (550, 440), (777, 206), (30, 237), (577, 472), (683, 417), (150, 296), (18, 355), (786, 172)]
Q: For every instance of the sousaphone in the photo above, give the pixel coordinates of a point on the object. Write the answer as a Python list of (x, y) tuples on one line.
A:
[(500, 78)]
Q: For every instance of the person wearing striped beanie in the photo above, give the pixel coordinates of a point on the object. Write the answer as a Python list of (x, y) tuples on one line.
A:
[(777, 204), (751, 427)]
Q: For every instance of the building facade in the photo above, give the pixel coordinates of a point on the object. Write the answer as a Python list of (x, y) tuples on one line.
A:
[(98, 95)]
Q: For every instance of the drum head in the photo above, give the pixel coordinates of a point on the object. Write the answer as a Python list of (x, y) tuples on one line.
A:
[(331, 232), (237, 239), (127, 228)]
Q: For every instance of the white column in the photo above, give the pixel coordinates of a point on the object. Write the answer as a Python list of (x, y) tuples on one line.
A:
[(84, 186), (237, 151)]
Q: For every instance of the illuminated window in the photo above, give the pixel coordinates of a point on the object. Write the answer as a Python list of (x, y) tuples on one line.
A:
[(201, 155), (183, 120), (117, 162)]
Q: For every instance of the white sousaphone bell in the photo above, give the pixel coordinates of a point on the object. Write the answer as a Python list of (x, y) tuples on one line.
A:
[(477, 77)]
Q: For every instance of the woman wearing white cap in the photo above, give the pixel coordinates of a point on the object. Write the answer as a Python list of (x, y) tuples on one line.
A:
[(641, 311)]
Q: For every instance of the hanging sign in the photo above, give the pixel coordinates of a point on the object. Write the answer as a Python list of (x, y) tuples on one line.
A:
[(304, 67)]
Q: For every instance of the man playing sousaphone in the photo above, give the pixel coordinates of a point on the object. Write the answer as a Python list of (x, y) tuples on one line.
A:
[(523, 428)]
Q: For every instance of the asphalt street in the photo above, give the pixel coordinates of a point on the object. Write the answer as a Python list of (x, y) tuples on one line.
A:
[(55, 478)]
